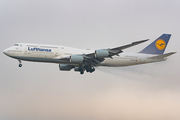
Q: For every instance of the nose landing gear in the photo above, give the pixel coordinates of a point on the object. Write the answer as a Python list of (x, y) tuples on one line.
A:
[(20, 65)]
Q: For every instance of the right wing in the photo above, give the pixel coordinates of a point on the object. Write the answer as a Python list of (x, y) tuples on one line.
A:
[(117, 50)]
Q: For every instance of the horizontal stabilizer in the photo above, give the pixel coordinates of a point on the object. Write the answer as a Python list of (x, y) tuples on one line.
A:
[(162, 56)]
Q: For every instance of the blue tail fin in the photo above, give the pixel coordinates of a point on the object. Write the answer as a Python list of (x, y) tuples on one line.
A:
[(158, 46)]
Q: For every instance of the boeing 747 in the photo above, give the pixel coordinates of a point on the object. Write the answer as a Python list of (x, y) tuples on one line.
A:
[(86, 60)]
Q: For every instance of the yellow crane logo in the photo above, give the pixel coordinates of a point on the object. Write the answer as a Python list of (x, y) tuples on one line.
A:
[(160, 44)]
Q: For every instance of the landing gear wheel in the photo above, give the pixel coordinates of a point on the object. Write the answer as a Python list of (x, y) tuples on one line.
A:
[(20, 65), (92, 70), (81, 72)]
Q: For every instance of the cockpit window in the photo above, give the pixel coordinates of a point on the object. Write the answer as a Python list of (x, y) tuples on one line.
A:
[(15, 44)]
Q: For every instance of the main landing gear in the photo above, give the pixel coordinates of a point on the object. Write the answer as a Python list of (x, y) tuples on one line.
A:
[(90, 70), (20, 65), (87, 68), (81, 72)]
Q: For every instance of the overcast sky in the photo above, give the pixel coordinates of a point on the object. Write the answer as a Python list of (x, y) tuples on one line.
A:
[(39, 91)]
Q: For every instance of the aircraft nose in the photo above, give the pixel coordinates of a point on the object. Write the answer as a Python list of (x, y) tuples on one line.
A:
[(5, 51)]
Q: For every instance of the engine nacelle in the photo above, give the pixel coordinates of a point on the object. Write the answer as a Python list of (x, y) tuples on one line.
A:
[(76, 59), (101, 53), (65, 67)]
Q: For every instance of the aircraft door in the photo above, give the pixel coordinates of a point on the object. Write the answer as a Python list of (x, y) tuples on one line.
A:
[(26, 51), (56, 52)]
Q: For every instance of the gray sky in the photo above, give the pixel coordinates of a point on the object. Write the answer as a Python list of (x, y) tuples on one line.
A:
[(40, 91)]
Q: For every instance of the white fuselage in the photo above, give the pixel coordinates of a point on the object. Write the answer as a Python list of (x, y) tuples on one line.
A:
[(55, 53)]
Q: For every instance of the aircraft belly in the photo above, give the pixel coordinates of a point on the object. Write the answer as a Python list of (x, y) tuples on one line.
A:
[(38, 59), (117, 62)]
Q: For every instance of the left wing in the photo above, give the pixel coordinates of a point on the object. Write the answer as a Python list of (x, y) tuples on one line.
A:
[(94, 59)]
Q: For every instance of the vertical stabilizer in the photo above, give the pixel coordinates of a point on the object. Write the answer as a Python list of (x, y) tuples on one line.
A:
[(158, 46)]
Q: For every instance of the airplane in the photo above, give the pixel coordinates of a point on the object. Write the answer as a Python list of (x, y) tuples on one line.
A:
[(86, 60)]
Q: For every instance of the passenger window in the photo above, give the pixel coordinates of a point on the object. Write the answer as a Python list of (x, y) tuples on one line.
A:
[(15, 44)]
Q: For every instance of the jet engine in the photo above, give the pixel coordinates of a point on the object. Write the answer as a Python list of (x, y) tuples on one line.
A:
[(101, 53), (76, 59), (65, 67)]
